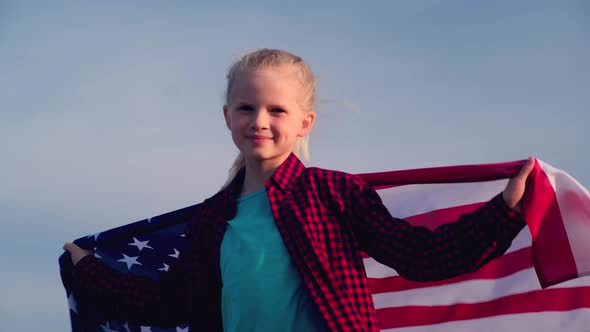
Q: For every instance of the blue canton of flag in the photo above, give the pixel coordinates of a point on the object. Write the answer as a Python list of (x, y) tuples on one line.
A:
[(144, 248)]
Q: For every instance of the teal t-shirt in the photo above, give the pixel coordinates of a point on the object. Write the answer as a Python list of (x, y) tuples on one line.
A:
[(262, 289)]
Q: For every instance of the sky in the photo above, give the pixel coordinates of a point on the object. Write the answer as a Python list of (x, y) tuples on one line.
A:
[(111, 111)]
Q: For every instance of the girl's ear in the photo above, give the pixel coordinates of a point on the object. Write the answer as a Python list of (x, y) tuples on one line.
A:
[(226, 116), (308, 121)]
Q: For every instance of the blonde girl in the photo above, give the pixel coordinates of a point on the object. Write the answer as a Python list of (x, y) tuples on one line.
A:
[(278, 247)]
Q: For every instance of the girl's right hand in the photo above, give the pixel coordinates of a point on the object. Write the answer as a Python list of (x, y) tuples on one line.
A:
[(76, 252)]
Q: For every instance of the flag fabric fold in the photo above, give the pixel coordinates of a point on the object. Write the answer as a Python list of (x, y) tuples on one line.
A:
[(506, 294)]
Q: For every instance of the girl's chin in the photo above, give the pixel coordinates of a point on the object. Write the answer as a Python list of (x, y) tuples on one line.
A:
[(258, 157), (264, 157)]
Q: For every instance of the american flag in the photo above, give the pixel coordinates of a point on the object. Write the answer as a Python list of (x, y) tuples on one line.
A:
[(537, 285)]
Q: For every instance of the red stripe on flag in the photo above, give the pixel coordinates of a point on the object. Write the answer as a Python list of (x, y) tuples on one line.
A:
[(558, 299), (500, 267), (445, 174), (553, 258)]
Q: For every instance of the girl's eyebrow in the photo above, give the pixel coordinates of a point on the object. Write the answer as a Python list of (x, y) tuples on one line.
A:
[(245, 103), (242, 104), (278, 106)]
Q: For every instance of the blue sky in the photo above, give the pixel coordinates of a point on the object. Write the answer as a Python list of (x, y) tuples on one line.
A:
[(111, 111)]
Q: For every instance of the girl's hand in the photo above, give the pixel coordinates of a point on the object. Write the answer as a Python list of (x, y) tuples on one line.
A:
[(76, 252), (516, 186)]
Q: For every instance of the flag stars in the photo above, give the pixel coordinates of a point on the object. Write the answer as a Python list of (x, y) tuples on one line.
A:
[(175, 254), (164, 268), (130, 261), (107, 328), (72, 303), (95, 250), (95, 236), (140, 244)]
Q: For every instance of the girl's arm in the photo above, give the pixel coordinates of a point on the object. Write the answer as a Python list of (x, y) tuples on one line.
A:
[(142, 300), (420, 254)]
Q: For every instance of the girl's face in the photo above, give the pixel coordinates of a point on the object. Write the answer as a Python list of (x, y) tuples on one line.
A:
[(264, 115)]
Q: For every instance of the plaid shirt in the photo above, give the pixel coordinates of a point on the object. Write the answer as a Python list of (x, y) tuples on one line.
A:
[(325, 218)]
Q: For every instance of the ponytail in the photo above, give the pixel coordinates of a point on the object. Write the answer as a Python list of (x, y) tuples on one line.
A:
[(238, 164)]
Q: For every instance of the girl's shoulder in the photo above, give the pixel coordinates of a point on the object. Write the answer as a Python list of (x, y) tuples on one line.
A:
[(323, 173), (338, 190), (334, 179)]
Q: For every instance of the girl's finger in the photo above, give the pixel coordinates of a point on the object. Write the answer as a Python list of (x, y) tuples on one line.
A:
[(68, 246), (526, 168)]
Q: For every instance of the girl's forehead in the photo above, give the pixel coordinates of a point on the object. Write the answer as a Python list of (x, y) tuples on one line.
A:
[(281, 72), (269, 80)]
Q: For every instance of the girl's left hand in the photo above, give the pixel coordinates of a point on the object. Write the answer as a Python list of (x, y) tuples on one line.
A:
[(76, 252), (516, 186)]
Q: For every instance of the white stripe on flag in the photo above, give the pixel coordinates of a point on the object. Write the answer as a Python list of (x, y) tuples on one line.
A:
[(470, 291), (410, 200), (574, 320), (573, 200)]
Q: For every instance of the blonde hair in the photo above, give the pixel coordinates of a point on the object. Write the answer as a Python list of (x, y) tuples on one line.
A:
[(267, 58)]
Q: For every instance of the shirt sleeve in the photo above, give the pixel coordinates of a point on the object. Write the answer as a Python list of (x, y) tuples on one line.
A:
[(420, 254), (163, 302)]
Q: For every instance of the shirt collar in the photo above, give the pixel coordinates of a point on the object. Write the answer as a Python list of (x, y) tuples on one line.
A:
[(286, 174), (283, 178)]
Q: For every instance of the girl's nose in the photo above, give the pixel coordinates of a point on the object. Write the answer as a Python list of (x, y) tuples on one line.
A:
[(260, 119)]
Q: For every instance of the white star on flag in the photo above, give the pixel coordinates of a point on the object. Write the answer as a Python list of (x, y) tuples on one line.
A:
[(129, 260), (175, 254), (95, 236), (182, 235), (72, 303), (140, 244), (164, 268), (107, 328)]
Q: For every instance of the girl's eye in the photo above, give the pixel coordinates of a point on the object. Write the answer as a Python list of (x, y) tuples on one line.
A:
[(277, 110), (245, 108)]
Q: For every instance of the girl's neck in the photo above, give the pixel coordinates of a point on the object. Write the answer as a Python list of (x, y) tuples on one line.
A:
[(256, 175)]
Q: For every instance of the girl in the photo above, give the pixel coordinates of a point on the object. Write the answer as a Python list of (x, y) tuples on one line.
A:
[(278, 248)]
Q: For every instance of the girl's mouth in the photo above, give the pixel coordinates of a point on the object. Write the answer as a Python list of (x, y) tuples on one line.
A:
[(258, 139)]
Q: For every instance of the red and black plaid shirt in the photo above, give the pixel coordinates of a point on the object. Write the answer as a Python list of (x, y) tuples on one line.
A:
[(326, 218)]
